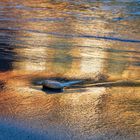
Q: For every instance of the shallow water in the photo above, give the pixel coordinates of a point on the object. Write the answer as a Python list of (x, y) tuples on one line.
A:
[(68, 40)]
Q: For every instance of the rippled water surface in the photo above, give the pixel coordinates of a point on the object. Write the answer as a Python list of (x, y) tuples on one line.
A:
[(95, 41)]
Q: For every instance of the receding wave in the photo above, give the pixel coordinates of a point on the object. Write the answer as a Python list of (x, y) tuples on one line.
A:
[(74, 35)]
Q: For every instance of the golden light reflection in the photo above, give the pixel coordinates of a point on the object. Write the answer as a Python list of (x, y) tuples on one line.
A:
[(34, 59), (108, 111), (46, 52), (93, 62), (30, 66)]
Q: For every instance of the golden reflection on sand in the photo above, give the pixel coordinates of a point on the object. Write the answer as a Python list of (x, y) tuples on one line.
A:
[(106, 110), (94, 112)]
